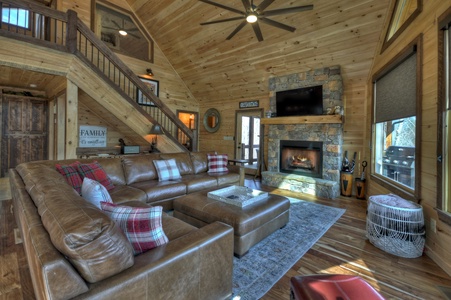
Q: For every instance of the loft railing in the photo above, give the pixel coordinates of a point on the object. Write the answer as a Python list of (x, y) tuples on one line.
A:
[(43, 26)]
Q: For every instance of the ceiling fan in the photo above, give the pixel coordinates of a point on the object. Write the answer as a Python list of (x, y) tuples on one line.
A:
[(122, 30), (254, 14)]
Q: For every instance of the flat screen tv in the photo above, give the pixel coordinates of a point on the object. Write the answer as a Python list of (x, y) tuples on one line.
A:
[(300, 102)]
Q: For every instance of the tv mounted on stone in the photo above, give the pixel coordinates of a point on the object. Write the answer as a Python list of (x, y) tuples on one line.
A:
[(300, 102)]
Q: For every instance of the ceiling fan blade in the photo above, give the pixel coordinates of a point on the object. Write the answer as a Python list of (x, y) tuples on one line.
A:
[(132, 29), (242, 24), (277, 24), (223, 20), (106, 27), (287, 10), (224, 7), (257, 31), (264, 5), (246, 4), (134, 35), (115, 23)]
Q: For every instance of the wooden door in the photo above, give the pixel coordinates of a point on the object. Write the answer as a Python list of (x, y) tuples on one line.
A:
[(24, 131)]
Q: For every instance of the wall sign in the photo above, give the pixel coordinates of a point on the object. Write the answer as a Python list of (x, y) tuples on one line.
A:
[(92, 136), (249, 104)]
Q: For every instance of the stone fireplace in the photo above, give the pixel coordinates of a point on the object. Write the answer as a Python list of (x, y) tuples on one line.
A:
[(318, 175)]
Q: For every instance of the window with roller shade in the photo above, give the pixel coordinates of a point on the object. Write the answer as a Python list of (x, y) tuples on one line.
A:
[(395, 143), (444, 121)]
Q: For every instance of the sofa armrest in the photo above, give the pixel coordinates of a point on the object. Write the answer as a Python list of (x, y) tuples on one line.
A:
[(238, 170), (199, 263)]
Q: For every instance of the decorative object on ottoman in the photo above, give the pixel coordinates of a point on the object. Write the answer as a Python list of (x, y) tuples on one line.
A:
[(396, 225), (332, 287)]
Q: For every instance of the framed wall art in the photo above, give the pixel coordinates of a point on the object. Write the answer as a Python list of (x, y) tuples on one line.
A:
[(154, 86)]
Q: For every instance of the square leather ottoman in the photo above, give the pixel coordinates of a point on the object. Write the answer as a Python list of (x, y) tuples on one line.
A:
[(251, 223)]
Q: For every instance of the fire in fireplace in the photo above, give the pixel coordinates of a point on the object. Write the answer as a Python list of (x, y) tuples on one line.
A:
[(301, 158)]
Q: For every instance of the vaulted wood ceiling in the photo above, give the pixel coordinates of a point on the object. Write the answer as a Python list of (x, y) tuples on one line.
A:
[(343, 32)]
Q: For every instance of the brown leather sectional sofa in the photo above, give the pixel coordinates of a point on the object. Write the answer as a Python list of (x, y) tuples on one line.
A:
[(75, 251)]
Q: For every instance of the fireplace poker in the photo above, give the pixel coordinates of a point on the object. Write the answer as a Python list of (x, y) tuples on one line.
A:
[(364, 164)]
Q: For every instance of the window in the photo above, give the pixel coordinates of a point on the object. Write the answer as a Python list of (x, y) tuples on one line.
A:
[(396, 124), (16, 16), (444, 121)]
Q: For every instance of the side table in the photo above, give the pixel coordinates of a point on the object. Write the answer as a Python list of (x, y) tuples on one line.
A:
[(241, 163)]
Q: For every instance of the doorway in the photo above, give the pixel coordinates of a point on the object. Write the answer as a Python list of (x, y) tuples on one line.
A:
[(23, 130), (248, 138), (190, 119)]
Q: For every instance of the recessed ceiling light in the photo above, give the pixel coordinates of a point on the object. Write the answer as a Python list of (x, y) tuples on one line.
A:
[(33, 85)]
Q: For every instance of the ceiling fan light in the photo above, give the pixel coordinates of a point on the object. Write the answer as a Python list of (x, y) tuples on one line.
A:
[(122, 32), (251, 18)]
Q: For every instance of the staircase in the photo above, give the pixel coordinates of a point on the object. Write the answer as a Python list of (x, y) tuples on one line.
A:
[(93, 67)]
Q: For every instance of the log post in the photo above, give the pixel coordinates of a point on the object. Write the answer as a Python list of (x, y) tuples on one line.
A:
[(71, 37)]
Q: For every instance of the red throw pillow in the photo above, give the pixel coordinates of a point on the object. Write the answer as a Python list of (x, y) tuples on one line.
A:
[(95, 172), (70, 172), (217, 163), (141, 225)]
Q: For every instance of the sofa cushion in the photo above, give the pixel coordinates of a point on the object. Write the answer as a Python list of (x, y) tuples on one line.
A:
[(113, 167), (124, 193), (161, 190), (70, 172), (94, 192), (167, 169), (198, 182), (183, 161), (200, 161), (95, 171), (217, 163), (91, 241), (226, 177), (139, 168), (141, 225)]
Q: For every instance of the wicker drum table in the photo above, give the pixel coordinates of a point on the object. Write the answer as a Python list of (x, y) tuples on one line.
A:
[(396, 225)]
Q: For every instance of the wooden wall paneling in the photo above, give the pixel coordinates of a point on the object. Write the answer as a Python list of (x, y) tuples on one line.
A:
[(72, 129)]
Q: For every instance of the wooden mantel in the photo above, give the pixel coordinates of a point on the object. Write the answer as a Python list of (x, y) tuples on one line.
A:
[(330, 119)]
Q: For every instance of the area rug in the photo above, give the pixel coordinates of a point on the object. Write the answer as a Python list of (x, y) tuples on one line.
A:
[(256, 272)]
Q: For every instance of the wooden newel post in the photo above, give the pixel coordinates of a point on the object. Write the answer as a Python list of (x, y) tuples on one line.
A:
[(71, 37)]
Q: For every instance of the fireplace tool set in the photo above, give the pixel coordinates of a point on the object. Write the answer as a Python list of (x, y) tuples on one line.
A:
[(347, 171)]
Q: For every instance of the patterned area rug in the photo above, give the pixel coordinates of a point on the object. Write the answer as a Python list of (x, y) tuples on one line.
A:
[(256, 272)]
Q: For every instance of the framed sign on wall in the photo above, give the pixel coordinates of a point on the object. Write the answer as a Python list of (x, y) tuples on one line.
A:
[(92, 136), (249, 104)]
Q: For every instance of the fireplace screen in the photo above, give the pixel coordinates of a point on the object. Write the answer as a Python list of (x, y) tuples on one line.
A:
[(301, 157)]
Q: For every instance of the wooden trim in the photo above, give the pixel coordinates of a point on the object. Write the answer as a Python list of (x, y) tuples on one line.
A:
[(443, 22), (329, 119)]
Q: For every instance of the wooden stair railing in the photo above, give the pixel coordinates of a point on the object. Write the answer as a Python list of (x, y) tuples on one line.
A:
[(66, 32)]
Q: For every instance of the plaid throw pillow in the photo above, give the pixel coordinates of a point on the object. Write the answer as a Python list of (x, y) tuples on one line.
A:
[(70, 172), (95, 172), (94, 192), (217, 163), (167, 169), (141, 225)]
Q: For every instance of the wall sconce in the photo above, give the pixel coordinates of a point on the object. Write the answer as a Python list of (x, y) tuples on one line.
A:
[(149, 72), (155, 130)]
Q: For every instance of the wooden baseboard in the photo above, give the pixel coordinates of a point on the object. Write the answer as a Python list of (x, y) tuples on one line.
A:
[(438, 260)]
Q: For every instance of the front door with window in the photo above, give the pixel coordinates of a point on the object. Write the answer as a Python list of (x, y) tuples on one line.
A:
[(247, 138)]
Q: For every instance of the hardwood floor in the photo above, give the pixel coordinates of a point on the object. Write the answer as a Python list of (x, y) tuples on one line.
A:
[(344, 249)]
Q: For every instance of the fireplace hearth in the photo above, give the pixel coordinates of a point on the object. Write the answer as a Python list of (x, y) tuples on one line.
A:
[(301, 158)]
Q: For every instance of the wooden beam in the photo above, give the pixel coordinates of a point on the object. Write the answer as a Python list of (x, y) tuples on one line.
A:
[(71, 120), (330, 119)]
